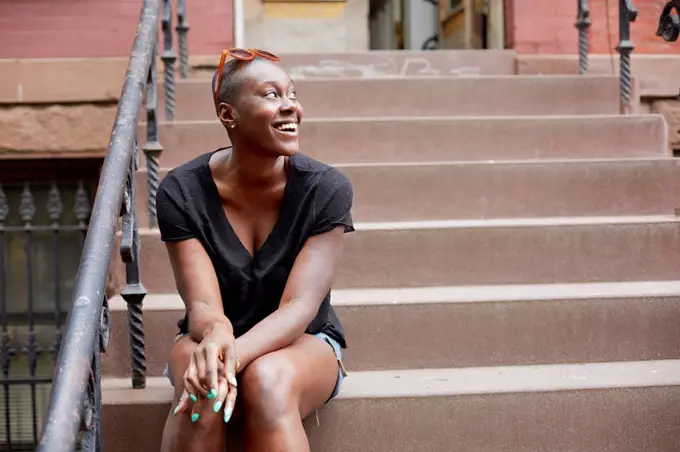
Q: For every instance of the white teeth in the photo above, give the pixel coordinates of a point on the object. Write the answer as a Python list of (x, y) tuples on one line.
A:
[(287, 126)]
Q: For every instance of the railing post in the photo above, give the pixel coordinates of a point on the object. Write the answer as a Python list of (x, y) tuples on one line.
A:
[(627, 14), (134, 292), (152, 147), (169, 57), (583, 26), (92, 405), (182, 30)]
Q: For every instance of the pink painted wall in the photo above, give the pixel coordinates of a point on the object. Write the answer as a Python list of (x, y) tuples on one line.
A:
[(100, 28)]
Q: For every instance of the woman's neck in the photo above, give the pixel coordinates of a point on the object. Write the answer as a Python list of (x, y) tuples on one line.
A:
[(248, 169)]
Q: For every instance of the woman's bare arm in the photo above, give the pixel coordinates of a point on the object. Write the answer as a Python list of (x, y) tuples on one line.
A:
[(198, 286), (307, 286)]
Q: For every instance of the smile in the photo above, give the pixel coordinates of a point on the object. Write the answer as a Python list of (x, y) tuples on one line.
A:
[(287, 127)]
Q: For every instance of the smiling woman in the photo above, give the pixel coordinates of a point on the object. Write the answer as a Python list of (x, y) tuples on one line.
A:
[(255, 234)]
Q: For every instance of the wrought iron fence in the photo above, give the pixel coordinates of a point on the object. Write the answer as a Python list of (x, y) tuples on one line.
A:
[(42, 227)]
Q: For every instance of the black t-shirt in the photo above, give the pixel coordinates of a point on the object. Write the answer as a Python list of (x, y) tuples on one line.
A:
[(317, 198)]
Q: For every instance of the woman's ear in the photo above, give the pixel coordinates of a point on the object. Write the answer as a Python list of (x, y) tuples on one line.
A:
[(227, 114)]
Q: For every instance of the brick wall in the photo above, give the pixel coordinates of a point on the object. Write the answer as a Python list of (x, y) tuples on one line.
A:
[(547, 26), (99, 28)]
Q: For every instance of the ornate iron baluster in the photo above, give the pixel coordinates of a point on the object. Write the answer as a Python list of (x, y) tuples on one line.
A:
[(82, 208), (169, 57), (27, 214), (669, 23), (55, 208), (583, 25), (134, 292), (6, 349), (182, 31), (91, 422), (152, 147), (627, 14)]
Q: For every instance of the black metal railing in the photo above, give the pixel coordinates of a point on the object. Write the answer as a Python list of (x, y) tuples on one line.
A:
[(583, 26), (44, 212), (627, 14), (76, 384)]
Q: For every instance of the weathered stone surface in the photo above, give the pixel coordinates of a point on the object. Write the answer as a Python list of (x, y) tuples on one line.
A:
[(670, 109), (57, 129)]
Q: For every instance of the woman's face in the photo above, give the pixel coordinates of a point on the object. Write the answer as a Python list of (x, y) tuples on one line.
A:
[(266, 112)]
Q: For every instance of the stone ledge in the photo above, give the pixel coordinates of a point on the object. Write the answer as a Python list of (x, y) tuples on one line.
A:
[(78, 130), (670, 109)]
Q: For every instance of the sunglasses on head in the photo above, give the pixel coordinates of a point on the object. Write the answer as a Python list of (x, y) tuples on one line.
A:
[(239, 54)]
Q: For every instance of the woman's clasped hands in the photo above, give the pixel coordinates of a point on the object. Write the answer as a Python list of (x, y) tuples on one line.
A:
[(211, 376)]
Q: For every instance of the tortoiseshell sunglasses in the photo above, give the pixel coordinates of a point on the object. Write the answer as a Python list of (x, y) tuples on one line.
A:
[(239, 54)]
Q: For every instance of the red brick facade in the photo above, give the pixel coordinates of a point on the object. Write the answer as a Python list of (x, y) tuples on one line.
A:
[(547, 26), (99, 28)]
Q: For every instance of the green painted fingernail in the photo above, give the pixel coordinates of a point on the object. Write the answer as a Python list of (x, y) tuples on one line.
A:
[(212, 394), (194, 417), (217, 406), (176, 410), (227, 414), (193, 398)]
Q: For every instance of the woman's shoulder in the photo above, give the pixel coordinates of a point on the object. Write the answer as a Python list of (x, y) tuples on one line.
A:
[(321, 174), (188, 176)]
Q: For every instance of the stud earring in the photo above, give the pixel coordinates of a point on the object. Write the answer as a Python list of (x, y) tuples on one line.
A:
[(232, 125)]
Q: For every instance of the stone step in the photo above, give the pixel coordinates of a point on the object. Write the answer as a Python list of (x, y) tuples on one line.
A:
[(607, 407), (466, 326), (383, 63), (479, 252), (429, 96), (413, 139), (536, 188)]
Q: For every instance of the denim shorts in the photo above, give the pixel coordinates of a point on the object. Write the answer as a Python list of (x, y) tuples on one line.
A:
[(337, 350)]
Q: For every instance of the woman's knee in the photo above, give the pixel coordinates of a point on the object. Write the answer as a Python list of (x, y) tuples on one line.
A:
[(205, 432), (269, 390)]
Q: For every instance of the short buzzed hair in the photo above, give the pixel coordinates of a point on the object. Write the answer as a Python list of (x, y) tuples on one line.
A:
[(232, 78)]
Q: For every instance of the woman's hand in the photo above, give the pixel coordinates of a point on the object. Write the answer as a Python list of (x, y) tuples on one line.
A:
[(212, 374)]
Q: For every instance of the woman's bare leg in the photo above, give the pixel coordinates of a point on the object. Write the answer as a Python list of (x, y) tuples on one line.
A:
[(280, 389), (208, 433)]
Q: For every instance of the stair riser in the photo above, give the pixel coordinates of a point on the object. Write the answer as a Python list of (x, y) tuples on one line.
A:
[(422, 140), (383, 337), (609, 420), (503, 190), (429, 97), (401, 63), (475, 255)]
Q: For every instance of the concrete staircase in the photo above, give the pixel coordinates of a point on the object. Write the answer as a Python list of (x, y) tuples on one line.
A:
[(513, 282)]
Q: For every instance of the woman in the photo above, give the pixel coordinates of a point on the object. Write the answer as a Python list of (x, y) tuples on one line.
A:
[(254, 233)]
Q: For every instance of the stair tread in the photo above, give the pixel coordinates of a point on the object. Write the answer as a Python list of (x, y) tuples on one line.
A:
[(453, 382), (421, 78), (487, 163), (500, 222), (459, 294), (509, 118)]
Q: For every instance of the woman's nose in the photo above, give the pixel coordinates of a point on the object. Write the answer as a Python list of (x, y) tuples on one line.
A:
[(288, 105)]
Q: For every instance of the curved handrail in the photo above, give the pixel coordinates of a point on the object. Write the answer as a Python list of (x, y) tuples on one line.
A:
[(78, 357), (669, 23)]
